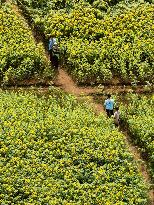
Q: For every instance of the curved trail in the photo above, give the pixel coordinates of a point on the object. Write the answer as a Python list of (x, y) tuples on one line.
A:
[(65, 82)]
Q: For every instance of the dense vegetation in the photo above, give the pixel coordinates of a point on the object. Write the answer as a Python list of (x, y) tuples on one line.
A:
[(140, 123), (56, 151), (20, 57), (100, 40)]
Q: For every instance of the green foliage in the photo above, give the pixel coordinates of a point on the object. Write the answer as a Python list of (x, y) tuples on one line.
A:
[(139, 118), (122, 44), (20, 57), (56, 151), (68, 4), (97, 45)]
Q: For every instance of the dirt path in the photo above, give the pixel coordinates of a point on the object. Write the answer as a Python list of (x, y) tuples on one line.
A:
[(65, 82), (142, 165)]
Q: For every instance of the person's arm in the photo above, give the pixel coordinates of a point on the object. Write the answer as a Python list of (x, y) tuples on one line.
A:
[(115, 115), (105, 103), (113, 103), (54, 41), (50, 44)]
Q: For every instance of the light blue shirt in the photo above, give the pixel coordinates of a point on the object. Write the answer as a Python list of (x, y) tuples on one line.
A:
[(52, 41), (109, 103)]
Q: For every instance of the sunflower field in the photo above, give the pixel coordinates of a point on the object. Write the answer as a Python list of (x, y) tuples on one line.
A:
[(100, 44), (20, 56), (55, 151), (140, 123)]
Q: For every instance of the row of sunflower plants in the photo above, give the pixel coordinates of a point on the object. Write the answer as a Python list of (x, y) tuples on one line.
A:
[(56, 151), (138, 116), (20, 56), (98, 46), (67, 4), (99, 49)]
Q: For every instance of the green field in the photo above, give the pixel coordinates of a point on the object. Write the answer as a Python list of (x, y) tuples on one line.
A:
[(61, 149), (20, 57), (138, 118), (56, 151), (100, 42)]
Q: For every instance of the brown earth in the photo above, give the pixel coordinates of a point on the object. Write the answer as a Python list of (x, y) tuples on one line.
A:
[(65, 82)]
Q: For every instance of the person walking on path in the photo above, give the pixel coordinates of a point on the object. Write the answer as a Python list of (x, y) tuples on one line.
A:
[(117, 117), (54, 52), (109, 105)]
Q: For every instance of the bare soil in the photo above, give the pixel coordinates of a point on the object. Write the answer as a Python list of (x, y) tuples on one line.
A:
[(65, 82), (142, 165)]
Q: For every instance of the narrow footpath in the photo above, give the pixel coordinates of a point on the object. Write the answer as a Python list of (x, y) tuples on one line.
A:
[(65, 82)]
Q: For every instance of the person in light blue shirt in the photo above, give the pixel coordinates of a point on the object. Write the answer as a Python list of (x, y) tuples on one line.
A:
[(53, 51), (109, 105), (52, 41)]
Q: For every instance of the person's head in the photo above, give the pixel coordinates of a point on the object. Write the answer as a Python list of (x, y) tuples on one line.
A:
[(51, 36), (117, 108), (108, 95)]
